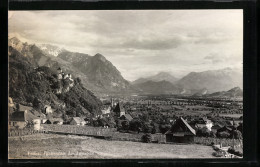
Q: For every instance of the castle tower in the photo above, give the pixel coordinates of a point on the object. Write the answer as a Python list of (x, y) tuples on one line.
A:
[(112, 102), (59, 70)]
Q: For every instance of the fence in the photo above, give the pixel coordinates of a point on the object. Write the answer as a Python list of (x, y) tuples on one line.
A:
[(99, 132), (23, 132), (127, 136), (79, 130), (224, 142)]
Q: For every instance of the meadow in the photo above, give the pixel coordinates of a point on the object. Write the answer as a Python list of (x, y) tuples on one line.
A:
[(53, 146)]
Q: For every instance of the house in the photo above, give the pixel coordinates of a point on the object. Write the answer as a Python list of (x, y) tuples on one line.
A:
[(204, 122), (59, 71), (180, 132), (48, 109), (58, 121), (106, 110), (20, 119), (39, 115), (77, 121), (24, 108), (66, 76), (119, 110), (126, 117)]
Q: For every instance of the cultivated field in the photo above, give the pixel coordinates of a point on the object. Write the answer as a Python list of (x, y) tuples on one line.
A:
[(51, 146), (231, 115)]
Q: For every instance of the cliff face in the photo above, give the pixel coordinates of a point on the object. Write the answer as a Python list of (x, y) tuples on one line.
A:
[(29, 83), (101, 74)]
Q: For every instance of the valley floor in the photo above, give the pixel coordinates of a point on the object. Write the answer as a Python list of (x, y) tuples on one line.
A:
[(52, 146)]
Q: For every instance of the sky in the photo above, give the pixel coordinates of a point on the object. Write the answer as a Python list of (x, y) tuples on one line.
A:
[(141, 43)]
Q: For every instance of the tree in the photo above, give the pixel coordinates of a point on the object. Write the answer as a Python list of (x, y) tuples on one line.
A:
[(164, 128), (147, 128), (65, 118), (147, 138), (135, 125), (223, 134), (36, 102), (125, 125), (237, 134), (29, 124), (204, 132)]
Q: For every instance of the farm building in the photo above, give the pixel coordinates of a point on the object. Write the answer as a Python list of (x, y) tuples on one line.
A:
[(180, 132), (204, 122), (106, 110), (47, 109), (20, 119), (78, 121), (24, 108), (119, 110)]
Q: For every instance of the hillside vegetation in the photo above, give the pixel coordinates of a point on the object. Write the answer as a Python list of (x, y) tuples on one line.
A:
[(39, 86)]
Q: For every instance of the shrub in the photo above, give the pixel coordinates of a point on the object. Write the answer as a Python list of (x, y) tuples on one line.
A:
[(219, 153), (223, 135), (125, 125), (237, 134), (153, 130), (147, 128), (231, 150), (147, 138), (135, 125)]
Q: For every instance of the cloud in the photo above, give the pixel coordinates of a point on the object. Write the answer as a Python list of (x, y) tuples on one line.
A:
[(153, 43), (139, 42)]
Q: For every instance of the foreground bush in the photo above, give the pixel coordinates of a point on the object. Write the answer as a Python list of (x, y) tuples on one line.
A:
[(219, 153), (235, 152)]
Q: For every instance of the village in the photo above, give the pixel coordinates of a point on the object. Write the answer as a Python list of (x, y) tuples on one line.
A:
[(150, 119)]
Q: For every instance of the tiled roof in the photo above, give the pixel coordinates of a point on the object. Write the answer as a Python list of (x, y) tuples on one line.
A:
[(78, 119), (22, 116), (128, 117), (24, 108)]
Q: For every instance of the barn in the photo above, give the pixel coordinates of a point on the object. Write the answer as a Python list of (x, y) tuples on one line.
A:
[(180, 132), (20, 119)]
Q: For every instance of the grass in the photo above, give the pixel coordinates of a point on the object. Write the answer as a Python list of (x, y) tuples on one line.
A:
[(50, 146)]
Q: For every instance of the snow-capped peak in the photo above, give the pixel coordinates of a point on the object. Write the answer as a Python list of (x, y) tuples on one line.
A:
[(51, 49)]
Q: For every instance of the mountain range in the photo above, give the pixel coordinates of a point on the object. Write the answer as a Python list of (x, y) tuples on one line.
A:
[(212, 80), (157, 87), (198, 83), (102, 77), (161, 76), (37, 86)]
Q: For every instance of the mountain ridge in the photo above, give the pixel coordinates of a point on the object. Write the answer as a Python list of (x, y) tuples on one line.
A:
[(101, 76), (213, 80), (40, 86), (157, 77)]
